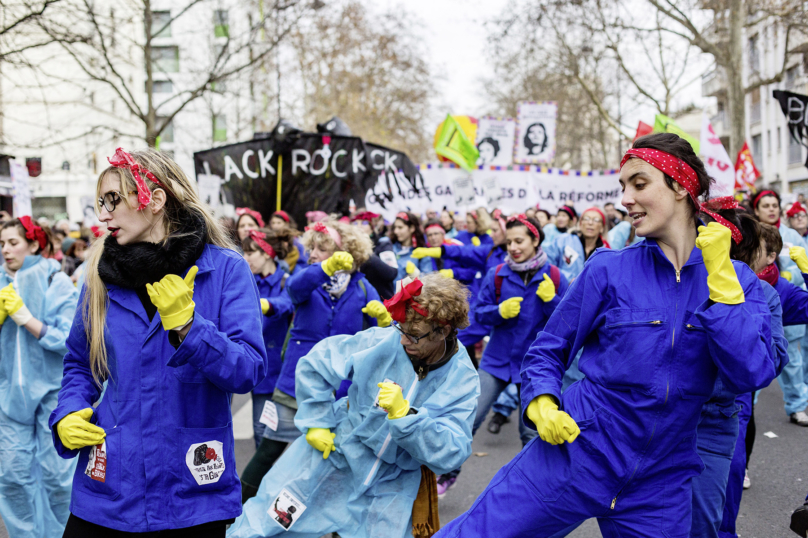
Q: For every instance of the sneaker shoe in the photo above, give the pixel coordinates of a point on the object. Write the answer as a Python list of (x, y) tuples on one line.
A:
[(444, 483), (800, 418), (746, 482), (496, 422)]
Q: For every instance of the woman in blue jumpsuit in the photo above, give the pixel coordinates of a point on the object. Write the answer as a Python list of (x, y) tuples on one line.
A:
[(262, 250), (330, 297), (406, 235), (794, 379), (411, 404), (168, 318), (658, 321), (37, 304), (436, 238), (476, 232)]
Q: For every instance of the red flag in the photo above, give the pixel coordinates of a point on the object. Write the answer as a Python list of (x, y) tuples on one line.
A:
[(745, 171), (642, 130)]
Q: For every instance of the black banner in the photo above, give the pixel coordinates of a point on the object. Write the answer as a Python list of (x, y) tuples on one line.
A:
[(795, 108), (315, 176)]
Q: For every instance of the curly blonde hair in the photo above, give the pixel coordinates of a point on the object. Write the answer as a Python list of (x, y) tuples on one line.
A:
[(354, 241), (446, 300)]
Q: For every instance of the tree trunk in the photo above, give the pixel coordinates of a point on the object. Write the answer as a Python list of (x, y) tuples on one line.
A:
[(734, 73), (151, 119)]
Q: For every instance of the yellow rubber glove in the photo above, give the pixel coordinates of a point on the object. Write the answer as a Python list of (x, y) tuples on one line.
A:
[(376, 309), (430, 252), (509, 308), (174, 298), (714, 241), (392, 400), (798, 255), (339, 261), (786, 275), (322, 439), (13, 305), (554, 426), (546, 290), (475, 241), (446, 273), (3, 313), (412, 270), (265, 306), (76, 431)]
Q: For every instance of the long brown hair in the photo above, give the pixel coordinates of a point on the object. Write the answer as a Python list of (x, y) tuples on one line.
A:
[(181, 197)]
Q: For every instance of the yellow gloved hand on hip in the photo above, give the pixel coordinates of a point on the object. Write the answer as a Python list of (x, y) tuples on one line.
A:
[(76, 431), (554, 426)]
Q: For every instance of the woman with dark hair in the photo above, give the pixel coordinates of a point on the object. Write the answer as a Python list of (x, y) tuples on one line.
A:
[(406, 235), (297, 257), (37, 304), (569, 251), (489, 149), (248, 219), (535, 139), (448, 222), (566, 220), (793, 379), (620, 444)]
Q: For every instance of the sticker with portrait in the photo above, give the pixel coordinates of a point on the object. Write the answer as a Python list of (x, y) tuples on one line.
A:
[(286, 509)]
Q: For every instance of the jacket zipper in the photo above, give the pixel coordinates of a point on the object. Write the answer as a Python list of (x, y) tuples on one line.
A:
[(667, 390)]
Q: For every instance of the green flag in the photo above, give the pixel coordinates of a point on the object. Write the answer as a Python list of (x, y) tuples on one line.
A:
[(663, 124), (453, 144)]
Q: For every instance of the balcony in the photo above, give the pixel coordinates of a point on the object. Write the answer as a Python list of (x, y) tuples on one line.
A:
[(714, 83)]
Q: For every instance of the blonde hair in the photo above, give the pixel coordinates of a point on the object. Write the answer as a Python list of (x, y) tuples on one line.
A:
[(446, 300), (354, 241), (180, 196)]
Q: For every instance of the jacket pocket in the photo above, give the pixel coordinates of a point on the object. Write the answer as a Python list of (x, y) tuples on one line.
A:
[(188, 373), (205, 459), (636, 346), (98, 472)]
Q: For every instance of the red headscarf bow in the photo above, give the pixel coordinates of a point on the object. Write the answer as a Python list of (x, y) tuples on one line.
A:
[(122, 159), (523, 219), (725, 202), (34, 232), (796, 209), (323, 229), (259, 237), (97, 231), (676, 168), (365, 215), (497, 214), (398, 303), (251, 212), (282, 215)]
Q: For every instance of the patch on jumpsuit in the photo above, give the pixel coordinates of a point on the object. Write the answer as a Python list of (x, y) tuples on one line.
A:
[(97, 463), (205, 462), (286, 509), (570, 255), (376, 402)]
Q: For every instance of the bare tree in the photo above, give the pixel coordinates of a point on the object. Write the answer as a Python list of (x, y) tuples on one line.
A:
[(368, 69)]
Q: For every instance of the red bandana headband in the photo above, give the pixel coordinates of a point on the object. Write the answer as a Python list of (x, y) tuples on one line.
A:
[(403, 216), (365, 215), (251, 212), (760, 195), (282, 215), (497, 214), (523, 219), (435, 226), (676, 168), (34, 232), (725, 202), (795, 210), (398, 303), (122, 159), (323, 229), (259, 237)]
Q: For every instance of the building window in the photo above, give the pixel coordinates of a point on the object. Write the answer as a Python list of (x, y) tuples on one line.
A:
[(754, 54), (166, 59), (219, 128), (167, 134), (794, 150), (754, 112), (161, 24), (779, 141), (791, 77), (162, 86), (769, 141), (221, 27), (757, 151)]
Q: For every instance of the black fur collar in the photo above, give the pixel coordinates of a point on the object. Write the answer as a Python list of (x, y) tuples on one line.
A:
[(133, 266)]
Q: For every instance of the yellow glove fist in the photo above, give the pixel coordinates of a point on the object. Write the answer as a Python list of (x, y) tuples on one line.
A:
[(546, 290), (554, 426), (798, 255), (376, 309), (322, 439), (265, 306), (174, 298), (13, 305), (510, 308), (412, 270), (339, 261), (446, 273), (475, 241), (430, 252), (786, 275), (392, 400), (714, 241), (3, 311), (76, 431)]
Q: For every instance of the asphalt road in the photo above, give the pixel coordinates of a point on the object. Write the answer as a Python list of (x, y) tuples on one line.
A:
[(778, 469)]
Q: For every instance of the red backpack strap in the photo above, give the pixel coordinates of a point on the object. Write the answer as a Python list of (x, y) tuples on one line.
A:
[(498, 282), (555, 276)]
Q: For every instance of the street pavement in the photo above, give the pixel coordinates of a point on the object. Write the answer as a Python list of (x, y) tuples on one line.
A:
[(778, 468)]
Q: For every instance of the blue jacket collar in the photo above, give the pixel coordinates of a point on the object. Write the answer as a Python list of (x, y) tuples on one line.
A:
[(506, 272), (272, 279)]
